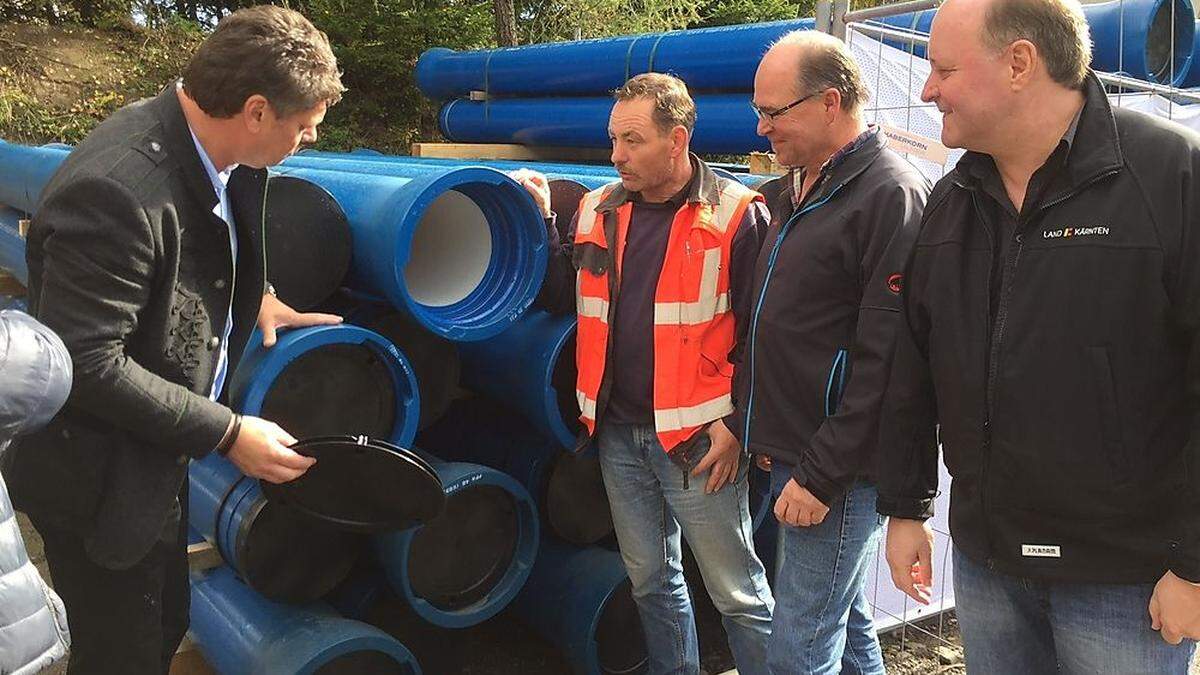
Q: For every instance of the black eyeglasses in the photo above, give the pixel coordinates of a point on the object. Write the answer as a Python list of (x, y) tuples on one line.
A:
[(769, 116)]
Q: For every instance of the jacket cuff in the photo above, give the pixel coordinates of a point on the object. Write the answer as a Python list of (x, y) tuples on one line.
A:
[(902, 507), (217, 421), (810, 480), (734, 425), (1185, 564)]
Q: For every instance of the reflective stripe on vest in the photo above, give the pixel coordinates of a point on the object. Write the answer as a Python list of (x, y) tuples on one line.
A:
[(694, 325)]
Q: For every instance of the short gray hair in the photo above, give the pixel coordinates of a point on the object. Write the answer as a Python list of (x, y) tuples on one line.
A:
[(673, 105), (826, 63), (1056, 27)]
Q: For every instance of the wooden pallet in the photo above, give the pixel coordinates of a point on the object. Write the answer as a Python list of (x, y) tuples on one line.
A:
[(763, 164), (10, 286), (509, 151), (188, 660)]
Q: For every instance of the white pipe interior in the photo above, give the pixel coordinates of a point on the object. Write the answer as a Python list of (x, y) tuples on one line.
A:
[(450, 251)]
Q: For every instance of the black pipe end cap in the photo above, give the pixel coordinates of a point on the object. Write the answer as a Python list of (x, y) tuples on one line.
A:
[(361, 485)]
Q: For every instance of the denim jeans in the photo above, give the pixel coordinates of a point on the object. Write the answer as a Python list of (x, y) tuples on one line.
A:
[(1015, 625), (823, 621), (651, 508)]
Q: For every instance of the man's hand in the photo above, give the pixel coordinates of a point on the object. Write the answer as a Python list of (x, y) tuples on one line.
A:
[(722, 458), (274, 315), (537, 185), (1175, 609), (796, 506), (910, 556), (261, 451)]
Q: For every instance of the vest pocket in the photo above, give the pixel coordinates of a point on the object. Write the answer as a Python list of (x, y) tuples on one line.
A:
[(836, 382)]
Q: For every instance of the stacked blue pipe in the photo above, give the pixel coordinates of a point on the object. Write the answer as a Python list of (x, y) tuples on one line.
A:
[(12, 246), (241, 633), (324, 380), (588, 175), (13, 302), (1191, 79), (467, 564), (580, 600), (461, 250), (725, 123), (279, 554), (329, 380), (434, 360), (567, 487), (591, 175), (531, 366), (1151, 39), (25, 171), (708, 59)]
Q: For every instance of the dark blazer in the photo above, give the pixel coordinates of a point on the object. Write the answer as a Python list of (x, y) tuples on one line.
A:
[(129, 265)]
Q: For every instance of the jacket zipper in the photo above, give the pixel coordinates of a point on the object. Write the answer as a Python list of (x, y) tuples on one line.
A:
[(1007, 277), (762, 295)]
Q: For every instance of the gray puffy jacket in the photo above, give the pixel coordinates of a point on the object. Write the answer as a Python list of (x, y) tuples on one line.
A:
[(35, 378)]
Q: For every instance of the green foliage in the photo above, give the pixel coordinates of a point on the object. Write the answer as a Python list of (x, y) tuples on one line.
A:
[(733, 12), (44, 98), (377, 43)]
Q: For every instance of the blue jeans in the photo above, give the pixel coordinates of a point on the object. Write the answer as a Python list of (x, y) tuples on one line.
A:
[(651, 507), (823, 621), (1015, 625)]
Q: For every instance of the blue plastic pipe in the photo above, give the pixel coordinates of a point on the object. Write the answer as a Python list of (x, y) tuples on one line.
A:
[(1147, 39), (1191, 79), (567, 488), (24, 172), (462, 251), (261, 369), (14, 303), (281, 556), (521, 367), (241, 633), (423, 551), (723, 58), (12, 245), (1130, 35), (725, 123), (579, 599), (591, 176)]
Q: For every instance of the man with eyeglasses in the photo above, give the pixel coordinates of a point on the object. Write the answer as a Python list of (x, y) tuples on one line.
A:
[(826, 297)]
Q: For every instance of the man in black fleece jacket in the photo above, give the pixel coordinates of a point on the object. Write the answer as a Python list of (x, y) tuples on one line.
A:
[(826, 302), (1051, 310)]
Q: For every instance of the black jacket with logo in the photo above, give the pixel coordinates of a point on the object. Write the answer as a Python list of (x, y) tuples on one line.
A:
[(826, 306), (1067, 407)]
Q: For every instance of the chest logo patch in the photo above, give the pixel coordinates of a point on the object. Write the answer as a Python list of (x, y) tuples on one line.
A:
[(895, 283), (1070, 232)]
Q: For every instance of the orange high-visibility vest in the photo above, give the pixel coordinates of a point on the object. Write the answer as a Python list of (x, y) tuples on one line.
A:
[(694, 327)]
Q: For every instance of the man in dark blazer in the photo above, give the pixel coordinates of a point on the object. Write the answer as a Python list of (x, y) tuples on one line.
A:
[(146, 257)]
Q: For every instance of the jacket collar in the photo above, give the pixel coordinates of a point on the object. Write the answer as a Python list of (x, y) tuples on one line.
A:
[(1095, 147), (703, 188), (176, 141), (844, 166)]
